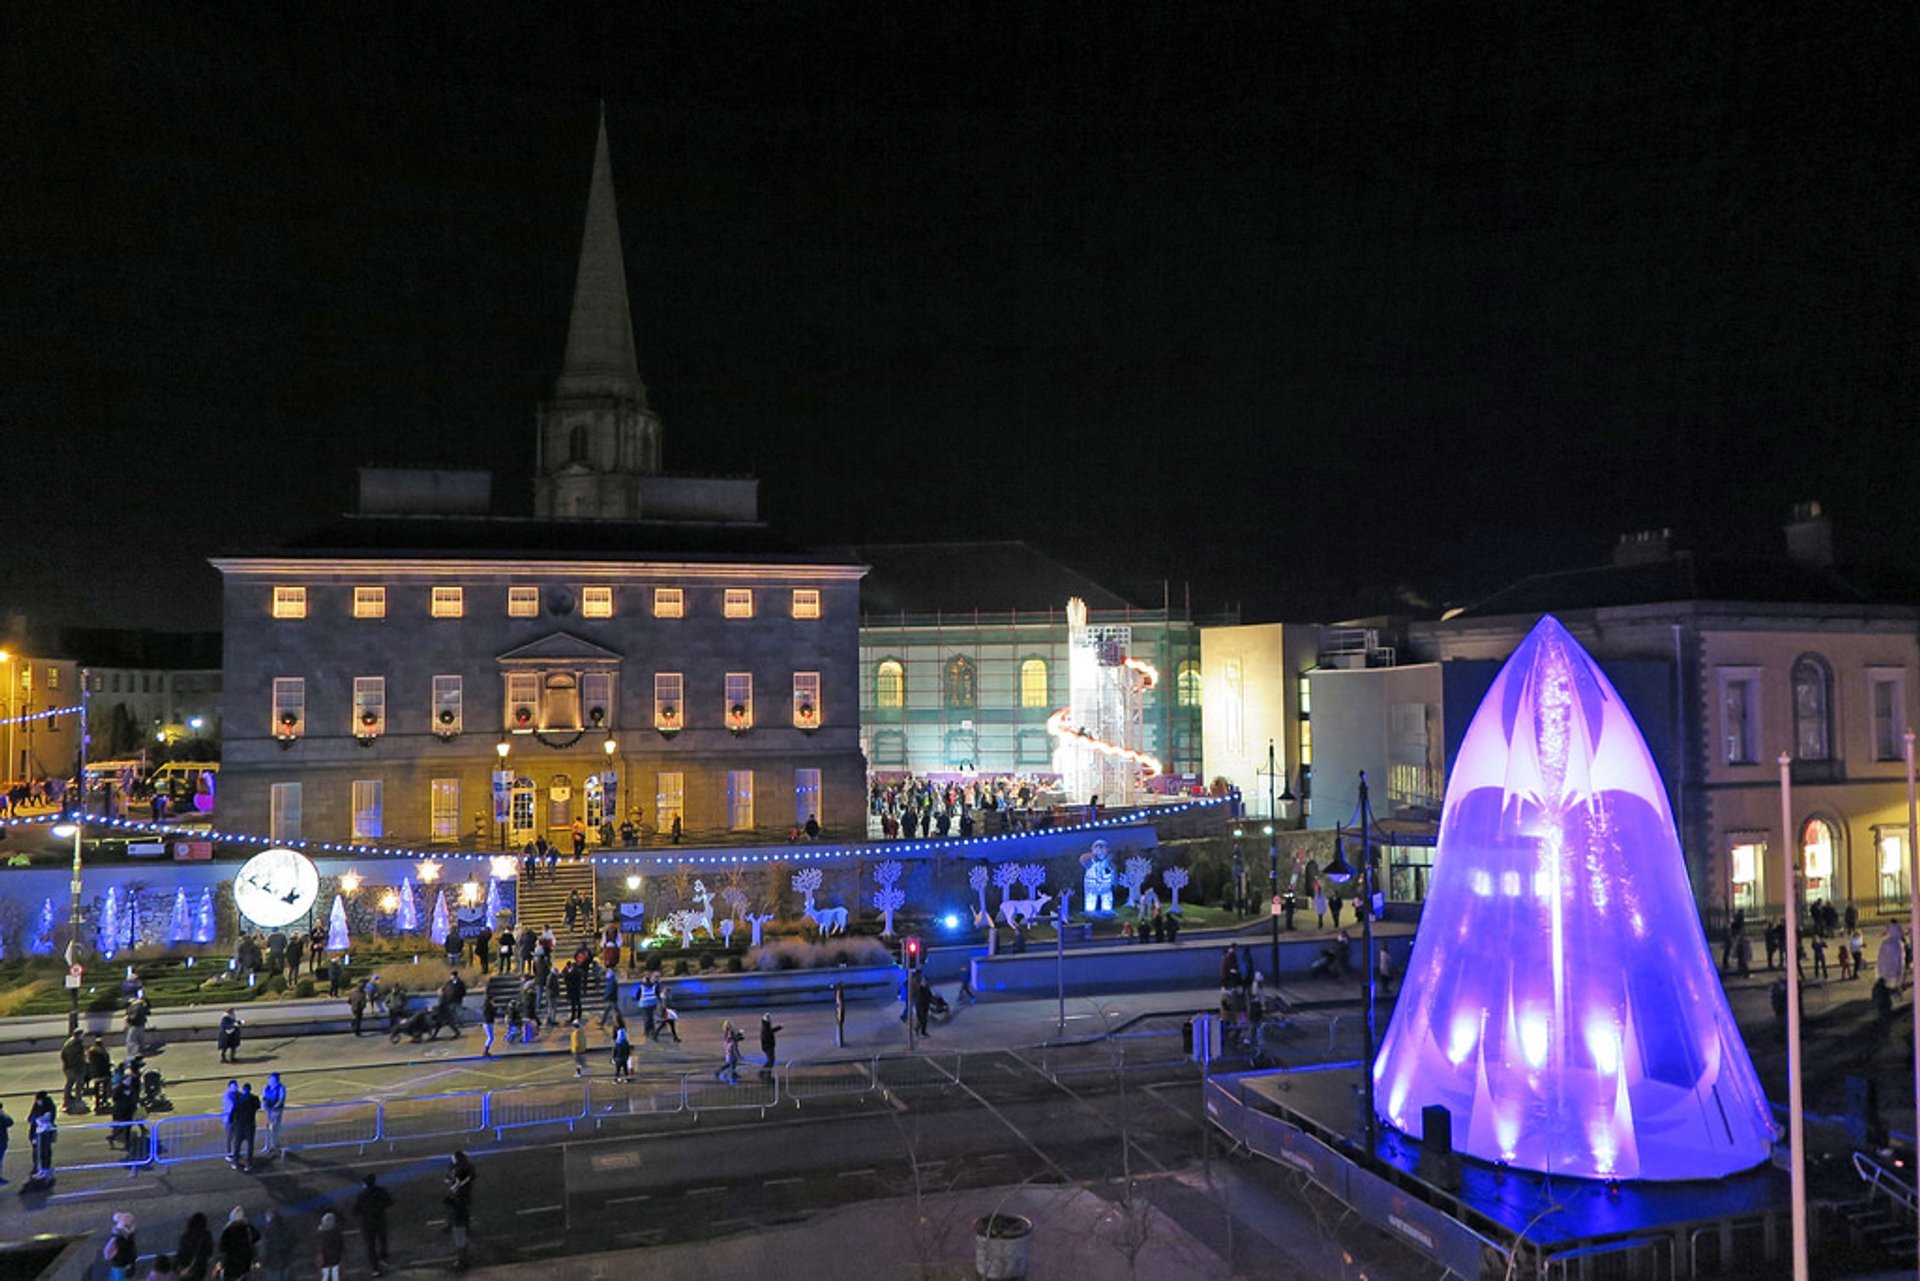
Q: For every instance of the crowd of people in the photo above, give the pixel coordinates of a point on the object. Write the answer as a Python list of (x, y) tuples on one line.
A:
[(910, 808)]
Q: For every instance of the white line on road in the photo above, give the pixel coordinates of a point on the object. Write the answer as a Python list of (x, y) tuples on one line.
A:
[(773, 1183), (706, 1191), (857, 1174), (68, 1196), (541, 1209), (628, 1200)]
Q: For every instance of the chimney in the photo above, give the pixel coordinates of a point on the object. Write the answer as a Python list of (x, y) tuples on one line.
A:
[(1643, 547), (1810, 537)]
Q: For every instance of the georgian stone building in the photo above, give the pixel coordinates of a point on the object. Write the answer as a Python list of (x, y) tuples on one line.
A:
[(643, 647)]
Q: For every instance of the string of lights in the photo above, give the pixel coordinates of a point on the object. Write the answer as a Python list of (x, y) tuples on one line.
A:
[(49, 714), (780, 854)]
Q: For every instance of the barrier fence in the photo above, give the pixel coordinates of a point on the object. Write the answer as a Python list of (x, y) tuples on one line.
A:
[(169, 1140)]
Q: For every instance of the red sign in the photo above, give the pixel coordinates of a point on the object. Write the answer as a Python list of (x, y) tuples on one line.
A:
[(186, 851)]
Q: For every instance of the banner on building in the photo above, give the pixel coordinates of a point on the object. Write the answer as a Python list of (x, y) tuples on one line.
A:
[(502, 794)]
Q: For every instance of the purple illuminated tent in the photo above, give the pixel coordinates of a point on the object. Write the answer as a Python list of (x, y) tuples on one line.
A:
[(1561, 1000)]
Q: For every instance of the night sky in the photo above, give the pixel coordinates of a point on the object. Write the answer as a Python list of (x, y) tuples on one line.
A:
[(1309, 307)]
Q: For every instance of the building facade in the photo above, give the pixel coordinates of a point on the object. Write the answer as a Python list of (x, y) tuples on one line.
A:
[(644, 650), (952, 687)]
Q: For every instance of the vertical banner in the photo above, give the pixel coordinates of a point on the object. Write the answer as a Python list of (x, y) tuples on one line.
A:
[(610, 797), (502, 792)]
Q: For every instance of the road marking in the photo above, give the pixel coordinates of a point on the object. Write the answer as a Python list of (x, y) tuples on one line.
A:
[(857, 1174), (615, 1161), (727, 1223), (774, 1183), (68, 1196), (541, 1209), (721, 1187), (540, 1247), (628, 1200), (989, 1156)]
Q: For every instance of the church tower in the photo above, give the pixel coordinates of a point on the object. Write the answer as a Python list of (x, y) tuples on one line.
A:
[(597, 436)]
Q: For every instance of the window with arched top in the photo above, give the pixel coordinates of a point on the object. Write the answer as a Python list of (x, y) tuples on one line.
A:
[(961, 682), (1186, 683), (890, 684), (1819, 856), (1033, 682), (577, 443), (1812, 709)]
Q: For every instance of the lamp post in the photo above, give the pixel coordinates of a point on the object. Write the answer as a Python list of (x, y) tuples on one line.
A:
[(501, 749), (77, 820), (609, 785), (1339, 872), (1274, 904), (1913, 898), (1796, 1120), (6, 664)]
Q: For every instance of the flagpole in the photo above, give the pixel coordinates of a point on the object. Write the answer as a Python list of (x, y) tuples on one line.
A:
[(1796, 1126)]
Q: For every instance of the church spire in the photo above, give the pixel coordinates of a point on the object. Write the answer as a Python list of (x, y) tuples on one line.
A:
[(600, 332)]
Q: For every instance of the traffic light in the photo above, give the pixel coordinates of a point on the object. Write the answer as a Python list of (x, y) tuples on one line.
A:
[(913, 951)]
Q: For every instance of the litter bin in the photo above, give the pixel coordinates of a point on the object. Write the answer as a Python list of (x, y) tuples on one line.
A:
[(1000, 1246)]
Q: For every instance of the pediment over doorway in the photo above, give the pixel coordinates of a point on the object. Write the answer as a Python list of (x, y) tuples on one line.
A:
[(558, 647)]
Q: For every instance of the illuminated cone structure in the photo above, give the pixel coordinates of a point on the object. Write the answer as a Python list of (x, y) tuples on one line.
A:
[(1561, 1000)]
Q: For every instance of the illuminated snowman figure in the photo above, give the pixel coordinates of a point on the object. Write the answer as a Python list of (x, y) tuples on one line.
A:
[(1098, 882)]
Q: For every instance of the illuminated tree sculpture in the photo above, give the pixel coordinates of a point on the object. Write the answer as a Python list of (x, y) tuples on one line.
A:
[(1006, 876), (1134, 878), (978, 878), (180, 928), (205, 928), (1175, 879), (408, 918), (42, 943), (889, 898), (438, 930), (1561, 1001), (337, 940)]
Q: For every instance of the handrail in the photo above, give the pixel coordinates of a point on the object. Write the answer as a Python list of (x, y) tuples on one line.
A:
[(1880, 1179)]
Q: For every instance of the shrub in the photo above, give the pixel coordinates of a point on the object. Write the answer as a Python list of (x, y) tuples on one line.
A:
[(794, 954), (681, 969), (734, 965), (707, 960), (304, 988)]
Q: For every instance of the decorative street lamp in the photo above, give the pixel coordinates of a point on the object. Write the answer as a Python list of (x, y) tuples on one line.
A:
[(610, 785), (1340, 872), (77, 821), (501, 749), (1273, 859)]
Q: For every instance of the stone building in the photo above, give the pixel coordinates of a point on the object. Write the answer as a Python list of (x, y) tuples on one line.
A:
[(644, 648)]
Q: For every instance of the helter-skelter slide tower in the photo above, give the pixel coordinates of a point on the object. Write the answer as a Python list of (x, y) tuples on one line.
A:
[(1097, 736)]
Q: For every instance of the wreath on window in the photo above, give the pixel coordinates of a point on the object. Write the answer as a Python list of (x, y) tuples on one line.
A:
[(806, 718), (446, 716), (522, 715), (597, 714), (737, 718), (369, 719), (668, 721)]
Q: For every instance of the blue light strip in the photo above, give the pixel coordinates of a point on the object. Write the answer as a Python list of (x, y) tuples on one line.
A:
[(784, 854), (41, 716)]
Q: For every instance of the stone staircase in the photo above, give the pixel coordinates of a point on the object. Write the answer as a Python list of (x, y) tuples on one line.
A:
[(541, 903)]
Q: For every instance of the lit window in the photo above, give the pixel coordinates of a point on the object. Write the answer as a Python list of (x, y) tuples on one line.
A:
[(806, 602), (739, 602), (961, 685), (523, 699), (369, 705), (283, 811), (1033, 683), (669, 602), (806, 797), (740, 800), (596, 691), (446, 809), (596, 602), (739, 710), (447, 711), (890, 684), (449, 602), (366, 809), (560, 709), (369, 602), (806, 700), (669, 799), (289, 706), (1746, 866), (1186, 684), (668, 700), (1893, 862), (289, 602), (523, 602)]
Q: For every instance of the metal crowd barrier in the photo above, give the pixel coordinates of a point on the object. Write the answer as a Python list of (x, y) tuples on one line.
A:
[(806, 1079), (755, 1089), (523, 1105), (430, 1116)]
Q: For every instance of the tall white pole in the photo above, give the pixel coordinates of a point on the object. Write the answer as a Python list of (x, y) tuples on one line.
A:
[(1913, 900), (1796, 1126)]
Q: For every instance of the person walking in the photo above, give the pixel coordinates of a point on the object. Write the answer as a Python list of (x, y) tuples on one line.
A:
[(246, 1119), (122, 1251), (489, 1018), (194, 1255), (329, 1247), (922, 1002), (622, 1051), (273, 1100), (506, 949), (669, 1017), (647, 997), (237, 1242), (577, 1046), (277, 1245), (357, 1005), (575, 981), (483, 948), (229, 1037), (609, 995), (370, 1207), (729, 1069), (459, 1202), (6, 1126), (73, 1065), (769, 1030), (228, 1098), (840, 1016), (42, 1130)]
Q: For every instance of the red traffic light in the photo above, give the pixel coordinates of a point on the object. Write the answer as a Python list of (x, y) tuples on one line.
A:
[(913, 950)]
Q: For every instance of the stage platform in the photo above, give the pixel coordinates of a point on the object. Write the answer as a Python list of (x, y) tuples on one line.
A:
[(1309, 1120)]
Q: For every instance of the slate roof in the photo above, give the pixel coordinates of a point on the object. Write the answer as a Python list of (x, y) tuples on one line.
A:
[(489, 537), (1681, 576), (960, 578)]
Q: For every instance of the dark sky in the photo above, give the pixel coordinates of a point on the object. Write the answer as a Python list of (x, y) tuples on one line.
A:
[(1300, 304)]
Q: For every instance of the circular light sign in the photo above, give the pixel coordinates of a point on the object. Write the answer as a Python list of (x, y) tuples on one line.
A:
[(276, 887)]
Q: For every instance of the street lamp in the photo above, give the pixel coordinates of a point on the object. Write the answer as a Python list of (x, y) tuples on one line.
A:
[(77, 820), (6, 662), (1340, 872), (609, 786)]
